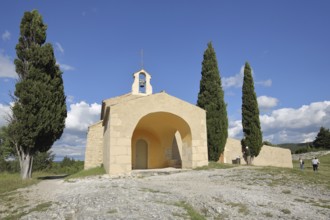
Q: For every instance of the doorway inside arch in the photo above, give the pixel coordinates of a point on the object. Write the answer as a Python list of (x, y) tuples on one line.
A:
[(141, 155)]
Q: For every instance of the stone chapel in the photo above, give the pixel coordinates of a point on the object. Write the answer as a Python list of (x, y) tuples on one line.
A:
[(146, 130)]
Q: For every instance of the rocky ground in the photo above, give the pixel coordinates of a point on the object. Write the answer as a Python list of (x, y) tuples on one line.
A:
[(236, 193)]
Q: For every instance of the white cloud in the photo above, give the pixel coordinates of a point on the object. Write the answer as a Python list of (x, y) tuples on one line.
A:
[(316, 113), (266, 83), (73, 141), (234, 81), (78, 153), (6, 35), (70, 99), (59, 47), (7, 67), (289, 125), (237, 80), (65, 67), (266, 102), (5, 111), (235, 129), (70, 145), (81, 115), (296, 125)]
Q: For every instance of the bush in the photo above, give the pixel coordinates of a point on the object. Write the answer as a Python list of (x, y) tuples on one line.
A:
[(43, 161), (302, 150), (10, 166), (67, 166)]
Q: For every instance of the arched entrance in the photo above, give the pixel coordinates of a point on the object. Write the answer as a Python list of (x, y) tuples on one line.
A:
[(167, 138)]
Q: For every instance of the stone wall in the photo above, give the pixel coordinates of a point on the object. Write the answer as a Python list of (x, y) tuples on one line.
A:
[(94, 146), (268, 156)]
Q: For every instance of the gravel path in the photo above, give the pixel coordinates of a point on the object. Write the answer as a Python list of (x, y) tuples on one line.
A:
[(236, 193)]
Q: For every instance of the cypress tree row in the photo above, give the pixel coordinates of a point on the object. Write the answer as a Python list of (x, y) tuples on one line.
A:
[(211, 98), (39, 111), (250, 115)]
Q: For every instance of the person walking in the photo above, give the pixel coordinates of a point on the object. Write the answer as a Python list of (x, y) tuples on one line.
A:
[(301, 162), (248, 155), (315, 163)]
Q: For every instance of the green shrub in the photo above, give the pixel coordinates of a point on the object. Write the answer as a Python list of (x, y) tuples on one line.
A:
[(302, 150), (67, 166)]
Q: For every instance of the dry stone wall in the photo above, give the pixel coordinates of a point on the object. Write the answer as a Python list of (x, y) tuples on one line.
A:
[(268, 156), (94, 146)]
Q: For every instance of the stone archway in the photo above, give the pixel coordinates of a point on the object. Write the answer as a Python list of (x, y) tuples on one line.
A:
[(169, 141)]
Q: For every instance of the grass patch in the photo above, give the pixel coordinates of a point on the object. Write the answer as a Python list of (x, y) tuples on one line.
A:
[(242, 208), (12, 181), (286, 191), (15, 216), (39, 208), (321, 205), (283, 176), (215, 165), (286, 211), (268, 214), (222, 216), (84, 173), (152, 190), (192, 213), (112, 211)]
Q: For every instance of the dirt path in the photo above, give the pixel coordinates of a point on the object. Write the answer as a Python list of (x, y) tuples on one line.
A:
[(237, 193)]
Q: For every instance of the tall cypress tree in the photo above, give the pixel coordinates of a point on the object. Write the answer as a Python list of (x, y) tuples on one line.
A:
[(39, 111), (211, 98), (250, 115)]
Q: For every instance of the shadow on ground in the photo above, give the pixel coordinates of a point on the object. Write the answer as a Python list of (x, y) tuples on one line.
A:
[(54, 177)]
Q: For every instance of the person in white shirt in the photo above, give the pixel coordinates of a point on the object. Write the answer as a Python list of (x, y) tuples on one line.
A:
[(301, 161), (315, 163)]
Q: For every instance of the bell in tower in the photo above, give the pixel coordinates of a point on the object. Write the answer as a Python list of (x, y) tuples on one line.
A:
[(141, 84)]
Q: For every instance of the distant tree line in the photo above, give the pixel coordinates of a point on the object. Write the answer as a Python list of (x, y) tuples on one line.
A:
[(322, 139), (42, 161), (321, 142)]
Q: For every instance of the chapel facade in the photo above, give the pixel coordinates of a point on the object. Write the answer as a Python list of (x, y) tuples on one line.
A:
[(146, 130)]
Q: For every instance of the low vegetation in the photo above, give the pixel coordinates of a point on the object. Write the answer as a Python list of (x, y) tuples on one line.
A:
[(45, 168), (191, 212), (21, 211), (242, 208), (84, 173), (305, 176), (215, 165), (13, 181)]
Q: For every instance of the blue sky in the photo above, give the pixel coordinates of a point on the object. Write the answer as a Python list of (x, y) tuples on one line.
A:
[(98, 45)]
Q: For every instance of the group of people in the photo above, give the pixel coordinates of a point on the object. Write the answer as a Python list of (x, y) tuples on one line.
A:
[(315, 163)]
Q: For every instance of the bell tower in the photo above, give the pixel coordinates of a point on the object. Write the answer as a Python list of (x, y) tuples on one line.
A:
[(141, 84)]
